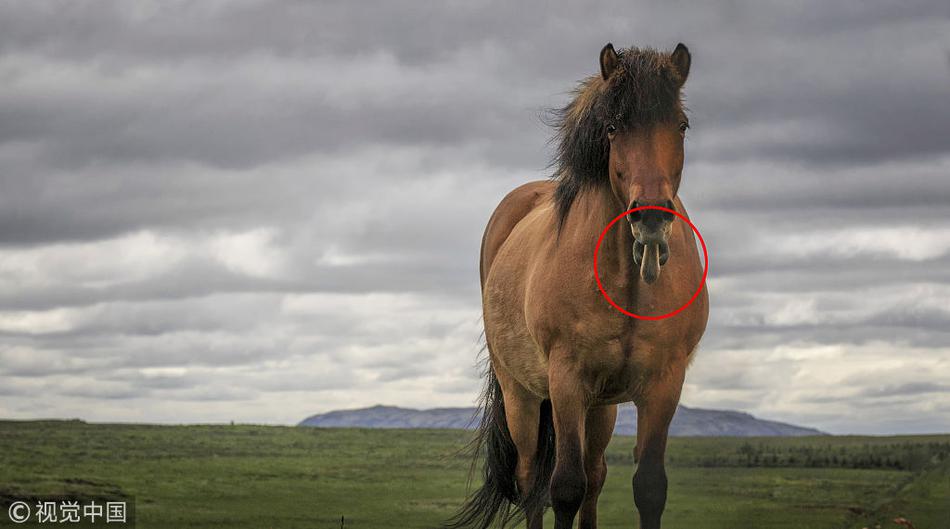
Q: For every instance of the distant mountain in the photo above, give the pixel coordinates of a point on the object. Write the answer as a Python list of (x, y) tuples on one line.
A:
[(394, 417), (688, 422)]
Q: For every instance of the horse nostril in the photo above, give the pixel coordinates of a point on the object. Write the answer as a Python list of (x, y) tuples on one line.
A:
[(666, 214), (635, 216)]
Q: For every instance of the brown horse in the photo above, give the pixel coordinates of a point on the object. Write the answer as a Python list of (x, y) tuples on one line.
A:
[(561, 358)]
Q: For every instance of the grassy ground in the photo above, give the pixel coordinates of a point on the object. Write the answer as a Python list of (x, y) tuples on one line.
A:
[(285, 477)]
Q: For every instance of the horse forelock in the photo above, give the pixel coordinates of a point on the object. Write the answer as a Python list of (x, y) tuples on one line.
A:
[(644, 90)]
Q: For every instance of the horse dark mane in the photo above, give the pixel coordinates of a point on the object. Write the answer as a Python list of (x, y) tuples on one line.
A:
[(644, 90)]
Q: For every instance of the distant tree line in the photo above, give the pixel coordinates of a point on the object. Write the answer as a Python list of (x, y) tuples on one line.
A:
[(897, 456), (912, 456)]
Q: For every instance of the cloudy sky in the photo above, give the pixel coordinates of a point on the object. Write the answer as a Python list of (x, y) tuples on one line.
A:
[(256, 211)]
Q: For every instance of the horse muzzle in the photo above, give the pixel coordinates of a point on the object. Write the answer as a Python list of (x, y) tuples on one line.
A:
[(651, 230)]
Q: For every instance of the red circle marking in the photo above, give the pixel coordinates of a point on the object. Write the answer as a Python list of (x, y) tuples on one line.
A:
[(662, 316)]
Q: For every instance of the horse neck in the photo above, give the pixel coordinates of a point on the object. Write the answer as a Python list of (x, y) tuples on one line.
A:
[(595, 209)]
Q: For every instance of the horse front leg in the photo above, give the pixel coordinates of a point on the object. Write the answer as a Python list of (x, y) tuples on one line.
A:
[(655, 410), (569, 480), (599, 428)]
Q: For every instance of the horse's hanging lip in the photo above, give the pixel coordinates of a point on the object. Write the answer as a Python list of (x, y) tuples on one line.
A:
[(650, 263), (640, 250)]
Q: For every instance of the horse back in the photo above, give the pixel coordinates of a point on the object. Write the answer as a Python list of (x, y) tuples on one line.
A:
[(510, 211)]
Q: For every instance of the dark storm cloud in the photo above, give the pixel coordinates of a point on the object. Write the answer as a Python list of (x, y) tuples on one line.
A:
[(242, 203), (188, 282), (241, 85)]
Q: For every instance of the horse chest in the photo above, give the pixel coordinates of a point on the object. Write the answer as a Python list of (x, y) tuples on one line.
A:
[(615, 366)]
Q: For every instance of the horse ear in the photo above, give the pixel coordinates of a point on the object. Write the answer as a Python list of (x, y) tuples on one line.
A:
[(681, 59), (608, 61)]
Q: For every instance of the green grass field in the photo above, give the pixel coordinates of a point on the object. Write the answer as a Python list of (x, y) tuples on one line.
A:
[(282, 477)]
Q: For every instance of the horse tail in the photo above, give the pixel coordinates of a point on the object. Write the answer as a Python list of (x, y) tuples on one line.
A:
[(498, 501)]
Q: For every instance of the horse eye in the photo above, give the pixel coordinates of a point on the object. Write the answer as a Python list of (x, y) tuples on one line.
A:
[(611, 128), (683, 126)]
